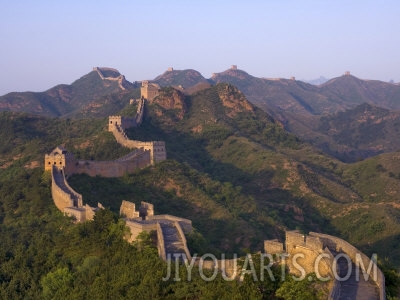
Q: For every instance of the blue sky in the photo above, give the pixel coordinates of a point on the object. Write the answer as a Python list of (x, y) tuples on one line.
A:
[(44, 43)]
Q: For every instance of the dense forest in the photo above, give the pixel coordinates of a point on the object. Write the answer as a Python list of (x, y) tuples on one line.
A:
[(44, 255)]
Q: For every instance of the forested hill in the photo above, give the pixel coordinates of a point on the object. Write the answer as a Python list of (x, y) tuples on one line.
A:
[(232, 169)]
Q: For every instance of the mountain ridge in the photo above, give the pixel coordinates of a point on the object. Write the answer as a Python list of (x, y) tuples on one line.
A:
[(298, 105), (277, 94)]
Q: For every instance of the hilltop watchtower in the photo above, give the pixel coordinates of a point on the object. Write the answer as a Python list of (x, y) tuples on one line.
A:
[(149, 90)]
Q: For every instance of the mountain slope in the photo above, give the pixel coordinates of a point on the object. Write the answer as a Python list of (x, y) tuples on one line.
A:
[(304, 110), (83, 95), (185, 78), (233, 169), (351, 135)]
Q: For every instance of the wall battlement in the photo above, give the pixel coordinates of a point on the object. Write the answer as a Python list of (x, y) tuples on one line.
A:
[(61, 163), (170, 230), (149, 90), (120, 78), (311, 246), (118, 124)]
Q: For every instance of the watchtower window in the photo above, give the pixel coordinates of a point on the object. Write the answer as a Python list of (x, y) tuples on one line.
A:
[(54, 162), (60, 162), (110, 122), (49, 163)]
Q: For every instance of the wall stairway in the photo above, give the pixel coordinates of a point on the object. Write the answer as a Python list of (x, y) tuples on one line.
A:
[(353, 287), (172, 240), (59, 180)]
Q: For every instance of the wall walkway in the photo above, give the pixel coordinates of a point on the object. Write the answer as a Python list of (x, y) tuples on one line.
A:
[(63, 195)]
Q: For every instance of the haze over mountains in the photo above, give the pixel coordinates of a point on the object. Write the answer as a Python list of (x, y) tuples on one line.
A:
[(312, 112)]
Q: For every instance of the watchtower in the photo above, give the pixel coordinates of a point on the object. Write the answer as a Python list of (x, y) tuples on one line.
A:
[(149, 90), (60, 158)]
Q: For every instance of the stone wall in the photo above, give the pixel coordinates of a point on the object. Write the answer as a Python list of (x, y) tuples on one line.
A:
[(128, 210), (273, 247), (335, 286), (146, 210), (294, 238), (149, 90), (161, 243), (340, 245), (136, 228), (63, 195), (59, 158), (140, 112), (62, 163), (81, 214), (62, 198), (307, 249), (183, 238), (115, 168), (157, 148), (121, 121), (186, 224), (120, 78)]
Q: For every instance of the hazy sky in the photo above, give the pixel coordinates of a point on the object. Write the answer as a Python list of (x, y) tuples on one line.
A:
[(44, 43)]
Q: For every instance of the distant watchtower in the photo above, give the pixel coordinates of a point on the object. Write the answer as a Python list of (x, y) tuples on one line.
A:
[(234, 67), (347, 73)]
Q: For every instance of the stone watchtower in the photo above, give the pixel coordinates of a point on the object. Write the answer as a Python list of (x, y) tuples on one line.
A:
[(60, 158), (114, 120), (149, 90)]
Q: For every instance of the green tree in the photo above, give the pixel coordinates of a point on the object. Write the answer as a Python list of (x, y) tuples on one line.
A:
[(57, 284), (309, 288)]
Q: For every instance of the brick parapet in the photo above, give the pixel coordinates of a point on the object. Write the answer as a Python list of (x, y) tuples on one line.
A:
[(161, 243), (183, 239), (340, 245)]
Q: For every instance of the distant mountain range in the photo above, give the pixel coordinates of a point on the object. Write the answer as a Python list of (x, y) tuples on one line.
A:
[(303, 108), (317, 81)]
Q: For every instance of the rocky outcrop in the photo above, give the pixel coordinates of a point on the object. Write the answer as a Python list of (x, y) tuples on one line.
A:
[(170, 99), (233, 100)]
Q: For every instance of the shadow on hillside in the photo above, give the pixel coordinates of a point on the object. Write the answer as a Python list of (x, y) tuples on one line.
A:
[(187, 149), (384, 248), (217, 225)]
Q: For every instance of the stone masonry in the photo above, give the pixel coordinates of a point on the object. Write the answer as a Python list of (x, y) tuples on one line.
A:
[(320, 250)]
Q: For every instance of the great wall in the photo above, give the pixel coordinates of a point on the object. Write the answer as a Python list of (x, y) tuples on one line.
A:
[(171, 230), (115, 76)]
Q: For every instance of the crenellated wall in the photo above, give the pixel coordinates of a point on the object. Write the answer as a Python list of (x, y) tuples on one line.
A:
[(149, 222), (120, 78), (340, 245), (156, 148), (62, 163), (149, 90), (115, 168), (67, 199), (118, 124), (308, 250)]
